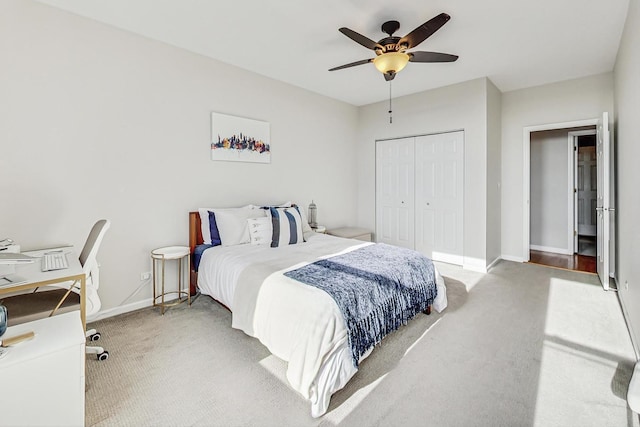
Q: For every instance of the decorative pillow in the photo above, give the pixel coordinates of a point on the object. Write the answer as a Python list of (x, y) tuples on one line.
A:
[(287, 226), (260, 230)]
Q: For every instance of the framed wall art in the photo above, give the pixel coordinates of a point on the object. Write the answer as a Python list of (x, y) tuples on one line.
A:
[(237, 139)]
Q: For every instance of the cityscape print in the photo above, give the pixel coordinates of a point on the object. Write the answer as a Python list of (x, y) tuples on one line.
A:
[(240, 142), (239, 139)]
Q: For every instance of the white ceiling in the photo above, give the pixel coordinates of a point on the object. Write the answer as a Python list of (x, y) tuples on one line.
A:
[(516, 43)]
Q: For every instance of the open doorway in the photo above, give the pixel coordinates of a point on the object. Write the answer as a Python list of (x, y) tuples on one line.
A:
[(605, 209), (563, 183), (585, 191)]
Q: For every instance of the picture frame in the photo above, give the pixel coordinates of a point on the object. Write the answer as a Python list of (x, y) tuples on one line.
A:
[(238, 139)]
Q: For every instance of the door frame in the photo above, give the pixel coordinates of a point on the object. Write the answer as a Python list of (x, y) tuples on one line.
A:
[(573, 179), (526, 174)]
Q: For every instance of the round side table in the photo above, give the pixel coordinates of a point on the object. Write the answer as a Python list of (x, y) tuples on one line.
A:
[(170, 253)]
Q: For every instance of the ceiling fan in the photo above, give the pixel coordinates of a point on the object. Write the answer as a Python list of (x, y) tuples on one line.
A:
[(391, 52)]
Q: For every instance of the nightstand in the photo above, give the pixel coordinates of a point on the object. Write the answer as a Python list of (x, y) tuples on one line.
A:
[(351, 233), (320, 229), (170, 253)]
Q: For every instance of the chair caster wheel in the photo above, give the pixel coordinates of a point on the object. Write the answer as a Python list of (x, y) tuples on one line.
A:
[(103, 356), (95, 337)]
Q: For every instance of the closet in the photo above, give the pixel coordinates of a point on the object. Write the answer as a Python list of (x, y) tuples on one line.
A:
[(419, 194)]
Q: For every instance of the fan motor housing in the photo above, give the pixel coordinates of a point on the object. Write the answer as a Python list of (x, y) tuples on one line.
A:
[(390, 44)]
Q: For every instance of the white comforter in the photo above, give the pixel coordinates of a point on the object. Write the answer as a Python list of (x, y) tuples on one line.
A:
[(297, 323)]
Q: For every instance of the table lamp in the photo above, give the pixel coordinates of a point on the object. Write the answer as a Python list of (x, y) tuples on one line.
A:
[(313, 212)]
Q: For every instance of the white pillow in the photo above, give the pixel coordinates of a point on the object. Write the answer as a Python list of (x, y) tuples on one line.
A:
[(231, 223), (260, 230), (233, 226), (305, 224)]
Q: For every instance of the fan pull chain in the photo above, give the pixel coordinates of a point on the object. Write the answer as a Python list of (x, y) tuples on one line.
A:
[(390, 110)]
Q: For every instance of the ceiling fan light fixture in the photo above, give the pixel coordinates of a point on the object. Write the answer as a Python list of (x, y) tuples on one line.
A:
[(391, 62)]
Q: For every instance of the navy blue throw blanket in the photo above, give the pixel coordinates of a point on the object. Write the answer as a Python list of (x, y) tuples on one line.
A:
[(378, 288)]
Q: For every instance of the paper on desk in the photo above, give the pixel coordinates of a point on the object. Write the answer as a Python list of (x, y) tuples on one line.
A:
[(11, 280), (13, 258)]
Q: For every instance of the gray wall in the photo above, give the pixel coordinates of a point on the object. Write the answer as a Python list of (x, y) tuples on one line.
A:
[(572, 100), (457, 107), (98, 122), (549, 191), (494, 172), (627, 96)]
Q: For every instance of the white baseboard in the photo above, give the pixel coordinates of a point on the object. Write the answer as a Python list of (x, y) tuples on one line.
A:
[(493, 264), (448, 259), (474, 264), (627, 319), (122, 309), (562, 251), (512, 258)]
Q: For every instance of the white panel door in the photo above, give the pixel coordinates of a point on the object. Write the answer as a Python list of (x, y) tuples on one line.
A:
[(602, 207), (439, 196), (395, 192)]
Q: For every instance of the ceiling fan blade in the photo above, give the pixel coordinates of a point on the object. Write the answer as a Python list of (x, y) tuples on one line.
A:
[(389, 76), (431, 57), (420, 34), (359, 38), (353, 64)]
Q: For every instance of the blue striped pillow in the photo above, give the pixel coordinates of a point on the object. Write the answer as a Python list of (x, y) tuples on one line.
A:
[(287, 226), (213, 229)]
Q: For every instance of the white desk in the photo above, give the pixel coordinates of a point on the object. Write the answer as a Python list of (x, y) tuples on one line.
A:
[(43, 379), (35, 278)]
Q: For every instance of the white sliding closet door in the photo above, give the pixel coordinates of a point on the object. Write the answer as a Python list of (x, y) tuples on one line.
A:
[(395, 192), (439, 186)]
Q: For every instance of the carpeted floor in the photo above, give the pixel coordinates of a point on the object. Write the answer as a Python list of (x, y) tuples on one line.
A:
[(523, 345)]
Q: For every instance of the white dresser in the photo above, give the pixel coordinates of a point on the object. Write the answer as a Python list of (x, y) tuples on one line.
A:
[(351, 233), (43, 379)]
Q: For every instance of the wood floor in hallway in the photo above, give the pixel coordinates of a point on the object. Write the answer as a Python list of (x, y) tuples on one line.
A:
[(574, 262)]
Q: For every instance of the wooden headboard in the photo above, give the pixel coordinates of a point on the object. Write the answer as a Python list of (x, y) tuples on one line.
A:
[(195, 232), (195, 239)]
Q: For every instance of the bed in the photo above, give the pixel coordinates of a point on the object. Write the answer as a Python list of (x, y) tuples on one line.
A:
[(298, 322)]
